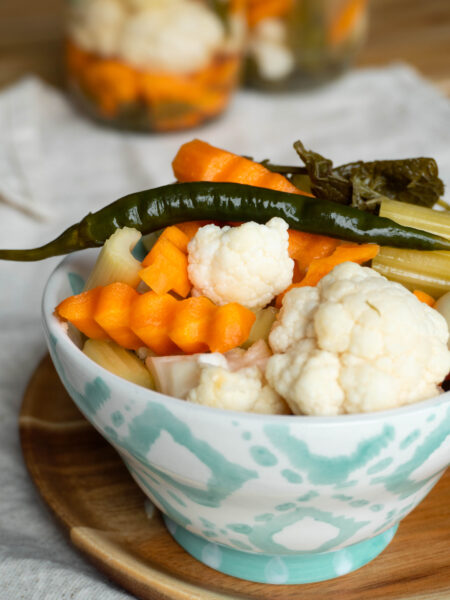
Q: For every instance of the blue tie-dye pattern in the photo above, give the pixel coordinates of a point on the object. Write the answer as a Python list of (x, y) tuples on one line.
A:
[(226, 477), (399, 482), (76, 283), (323, 469)]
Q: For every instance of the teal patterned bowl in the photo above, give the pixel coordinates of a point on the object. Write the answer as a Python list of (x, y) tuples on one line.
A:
[(273, 499)]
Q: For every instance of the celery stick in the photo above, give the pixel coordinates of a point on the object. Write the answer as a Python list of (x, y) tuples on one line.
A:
[(433, 286), (419, 217), (415, 269), (262, 326), (429, 264), (115, 261), (119, 361)]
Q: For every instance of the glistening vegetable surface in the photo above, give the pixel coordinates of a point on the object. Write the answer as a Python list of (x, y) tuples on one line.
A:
[(156, 208)]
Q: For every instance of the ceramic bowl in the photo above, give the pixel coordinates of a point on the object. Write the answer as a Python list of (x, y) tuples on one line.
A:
[(274, 499)]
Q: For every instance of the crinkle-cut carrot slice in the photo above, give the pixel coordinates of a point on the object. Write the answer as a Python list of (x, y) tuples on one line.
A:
[(199, 161), (230, 327), (191, 323), (79, 310), (151, 315), (113, 314), (346, 252)]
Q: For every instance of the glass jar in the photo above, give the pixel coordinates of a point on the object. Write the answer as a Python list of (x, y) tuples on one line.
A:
[(300, 43), (154, 65)]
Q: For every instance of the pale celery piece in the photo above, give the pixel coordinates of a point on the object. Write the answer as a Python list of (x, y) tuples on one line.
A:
[(416, 269), (262, 326), (174, 375), (119, 361), (419, 217), (115, 261)]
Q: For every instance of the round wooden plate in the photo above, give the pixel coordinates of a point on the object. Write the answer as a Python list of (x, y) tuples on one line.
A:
[(107, 517)]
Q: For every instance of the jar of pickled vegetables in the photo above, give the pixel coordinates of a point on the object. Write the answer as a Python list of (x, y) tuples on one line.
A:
[(154, 65), (300, 43)]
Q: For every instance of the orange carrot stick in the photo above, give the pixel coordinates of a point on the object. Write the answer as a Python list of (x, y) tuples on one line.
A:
[(306, 247), (112, 83), (199, 161), (177, 236), (346, 21), (190, 228), (79, 310), (359, 253), (113, 314), (258, 10)]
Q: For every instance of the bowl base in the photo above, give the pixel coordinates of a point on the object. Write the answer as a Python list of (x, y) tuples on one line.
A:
[(276, 569)]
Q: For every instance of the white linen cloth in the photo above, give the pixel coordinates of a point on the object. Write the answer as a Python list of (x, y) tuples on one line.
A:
[(55, 166)]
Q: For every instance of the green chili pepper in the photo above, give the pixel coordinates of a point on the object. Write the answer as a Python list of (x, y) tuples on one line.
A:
[(154, 209)]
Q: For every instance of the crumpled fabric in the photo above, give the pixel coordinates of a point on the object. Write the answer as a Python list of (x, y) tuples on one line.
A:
[(55, 166)]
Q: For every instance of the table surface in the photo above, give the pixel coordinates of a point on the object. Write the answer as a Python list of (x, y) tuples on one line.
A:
[(415, 31)]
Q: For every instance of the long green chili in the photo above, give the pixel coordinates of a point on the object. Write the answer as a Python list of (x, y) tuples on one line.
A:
[(156, 208)]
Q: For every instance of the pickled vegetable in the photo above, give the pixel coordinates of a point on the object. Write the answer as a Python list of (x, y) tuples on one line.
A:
[(119, 361), (115, 261)]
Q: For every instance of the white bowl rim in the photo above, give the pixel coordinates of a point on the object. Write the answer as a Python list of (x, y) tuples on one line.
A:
[(52, 324)]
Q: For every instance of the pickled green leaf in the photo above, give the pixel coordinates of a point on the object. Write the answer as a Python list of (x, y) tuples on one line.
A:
[(365, 184)]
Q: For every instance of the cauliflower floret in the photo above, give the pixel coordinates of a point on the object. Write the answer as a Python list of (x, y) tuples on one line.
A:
[(270, 50), (248, 264), (358, 343), (96, 25), (171, 36), (243, 390)]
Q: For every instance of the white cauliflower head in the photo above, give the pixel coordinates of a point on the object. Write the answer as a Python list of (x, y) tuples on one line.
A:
[(243, 390), (356, 343), (175, 36), (96, 25), (249, 264)]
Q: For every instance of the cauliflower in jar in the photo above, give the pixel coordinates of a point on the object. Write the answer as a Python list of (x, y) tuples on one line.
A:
[(242, 390), (356, 343), (171, 36), (96, 25), (249, 264), (268, 45)]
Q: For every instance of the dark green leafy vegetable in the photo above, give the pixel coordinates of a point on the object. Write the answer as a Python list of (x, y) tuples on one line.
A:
[(365, 184), (154, 209)]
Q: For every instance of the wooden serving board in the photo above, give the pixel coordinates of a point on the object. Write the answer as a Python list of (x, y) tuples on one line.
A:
[(107, 517)]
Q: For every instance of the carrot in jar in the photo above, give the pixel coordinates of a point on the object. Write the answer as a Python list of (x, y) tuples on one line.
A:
[(111, 83)]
